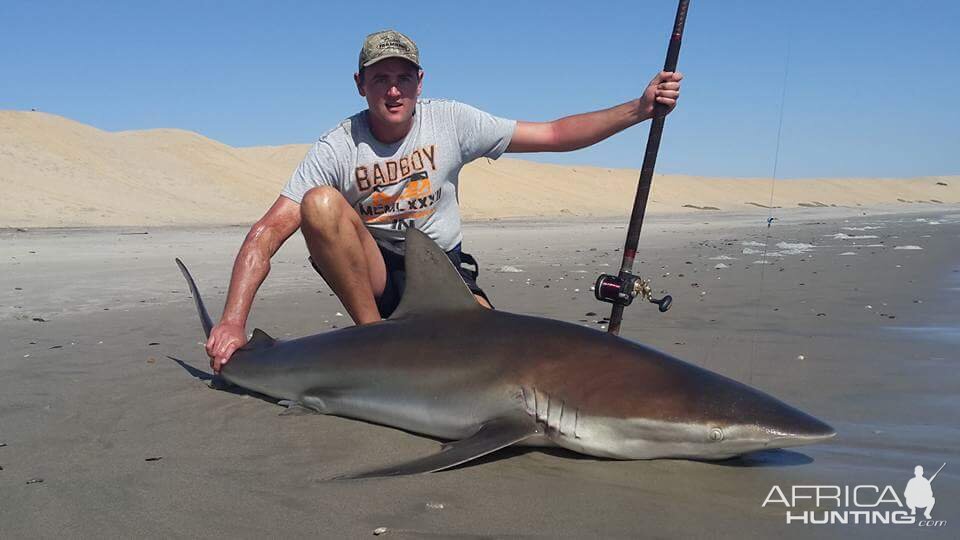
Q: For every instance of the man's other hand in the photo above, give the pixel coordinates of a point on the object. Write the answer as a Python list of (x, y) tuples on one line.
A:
[(664, 89), (224, 339)]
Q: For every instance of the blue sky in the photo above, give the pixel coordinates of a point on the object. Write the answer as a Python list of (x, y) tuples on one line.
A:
[(871, 88)]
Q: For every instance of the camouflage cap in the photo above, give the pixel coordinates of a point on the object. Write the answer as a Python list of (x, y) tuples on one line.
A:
[(388, 44)]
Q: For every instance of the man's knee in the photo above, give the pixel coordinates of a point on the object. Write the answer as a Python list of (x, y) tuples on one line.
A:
[(322, 206)]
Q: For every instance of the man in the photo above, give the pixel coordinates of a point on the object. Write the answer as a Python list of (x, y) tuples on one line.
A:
[(389, 167), (919, 493)]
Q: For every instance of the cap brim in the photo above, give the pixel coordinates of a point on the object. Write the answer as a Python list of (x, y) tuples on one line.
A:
[(384, 57)]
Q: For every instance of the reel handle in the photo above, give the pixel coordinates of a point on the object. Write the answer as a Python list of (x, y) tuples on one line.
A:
[(663, 304)]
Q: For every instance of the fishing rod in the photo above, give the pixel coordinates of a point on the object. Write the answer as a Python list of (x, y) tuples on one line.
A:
[(620, 290)]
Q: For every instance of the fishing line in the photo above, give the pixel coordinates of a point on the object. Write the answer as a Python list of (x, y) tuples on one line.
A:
[(770, 219)]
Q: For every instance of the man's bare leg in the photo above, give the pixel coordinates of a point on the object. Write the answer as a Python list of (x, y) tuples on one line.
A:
[(345, 252)]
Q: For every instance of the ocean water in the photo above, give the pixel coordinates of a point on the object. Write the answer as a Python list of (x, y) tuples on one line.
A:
[(950, 304), (942, 334)]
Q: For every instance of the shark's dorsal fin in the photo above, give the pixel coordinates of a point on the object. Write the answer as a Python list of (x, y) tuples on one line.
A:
[(259, 340), (432, 283)]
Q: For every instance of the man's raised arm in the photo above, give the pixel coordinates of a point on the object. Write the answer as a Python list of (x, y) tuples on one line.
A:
[(249, 270), (582, 130)]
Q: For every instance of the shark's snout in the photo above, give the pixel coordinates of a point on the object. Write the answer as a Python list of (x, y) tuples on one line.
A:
[(819, 431), (810, 432), (774, 424), (801, 429)]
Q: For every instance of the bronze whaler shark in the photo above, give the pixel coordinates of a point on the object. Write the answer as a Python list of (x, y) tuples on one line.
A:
[(445, 367)]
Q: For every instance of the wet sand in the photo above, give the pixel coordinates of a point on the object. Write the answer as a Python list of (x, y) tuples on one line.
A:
[(130, 443)]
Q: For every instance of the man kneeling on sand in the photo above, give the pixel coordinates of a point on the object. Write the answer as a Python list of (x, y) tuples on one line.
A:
[(392, 166)]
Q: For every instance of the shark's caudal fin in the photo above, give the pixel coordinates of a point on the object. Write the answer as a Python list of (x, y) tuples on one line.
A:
[(433, 284), (201, 309), (259, 340)]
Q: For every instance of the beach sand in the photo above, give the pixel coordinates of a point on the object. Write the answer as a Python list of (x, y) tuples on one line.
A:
[(128, 442)]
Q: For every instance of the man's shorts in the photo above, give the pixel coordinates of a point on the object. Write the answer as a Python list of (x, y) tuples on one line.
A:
[(397, 277)]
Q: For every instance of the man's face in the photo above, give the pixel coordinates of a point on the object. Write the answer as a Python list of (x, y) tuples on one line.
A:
[(391, 87)]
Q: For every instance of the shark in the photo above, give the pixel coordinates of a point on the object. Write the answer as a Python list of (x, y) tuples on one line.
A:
[(482, 379)]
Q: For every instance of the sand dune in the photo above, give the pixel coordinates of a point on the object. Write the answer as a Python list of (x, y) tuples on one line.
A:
[(56, 172), (548, 190)]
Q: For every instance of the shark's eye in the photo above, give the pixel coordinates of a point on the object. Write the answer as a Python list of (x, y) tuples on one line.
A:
[(716, 434)]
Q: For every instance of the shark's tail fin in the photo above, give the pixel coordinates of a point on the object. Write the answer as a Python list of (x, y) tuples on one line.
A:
[(201, 309)]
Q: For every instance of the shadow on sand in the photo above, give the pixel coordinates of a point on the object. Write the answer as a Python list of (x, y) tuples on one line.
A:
[(768, 458), (763, 458), (217, 382)]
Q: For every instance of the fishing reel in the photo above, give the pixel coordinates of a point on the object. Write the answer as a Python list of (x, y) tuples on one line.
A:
[(624, 288)]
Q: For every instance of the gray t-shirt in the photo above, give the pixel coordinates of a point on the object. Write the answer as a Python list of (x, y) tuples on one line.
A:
[(410, 182)]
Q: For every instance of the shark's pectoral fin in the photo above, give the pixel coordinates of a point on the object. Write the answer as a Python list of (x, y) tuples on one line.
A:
[(293, 408), (493, 435)]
